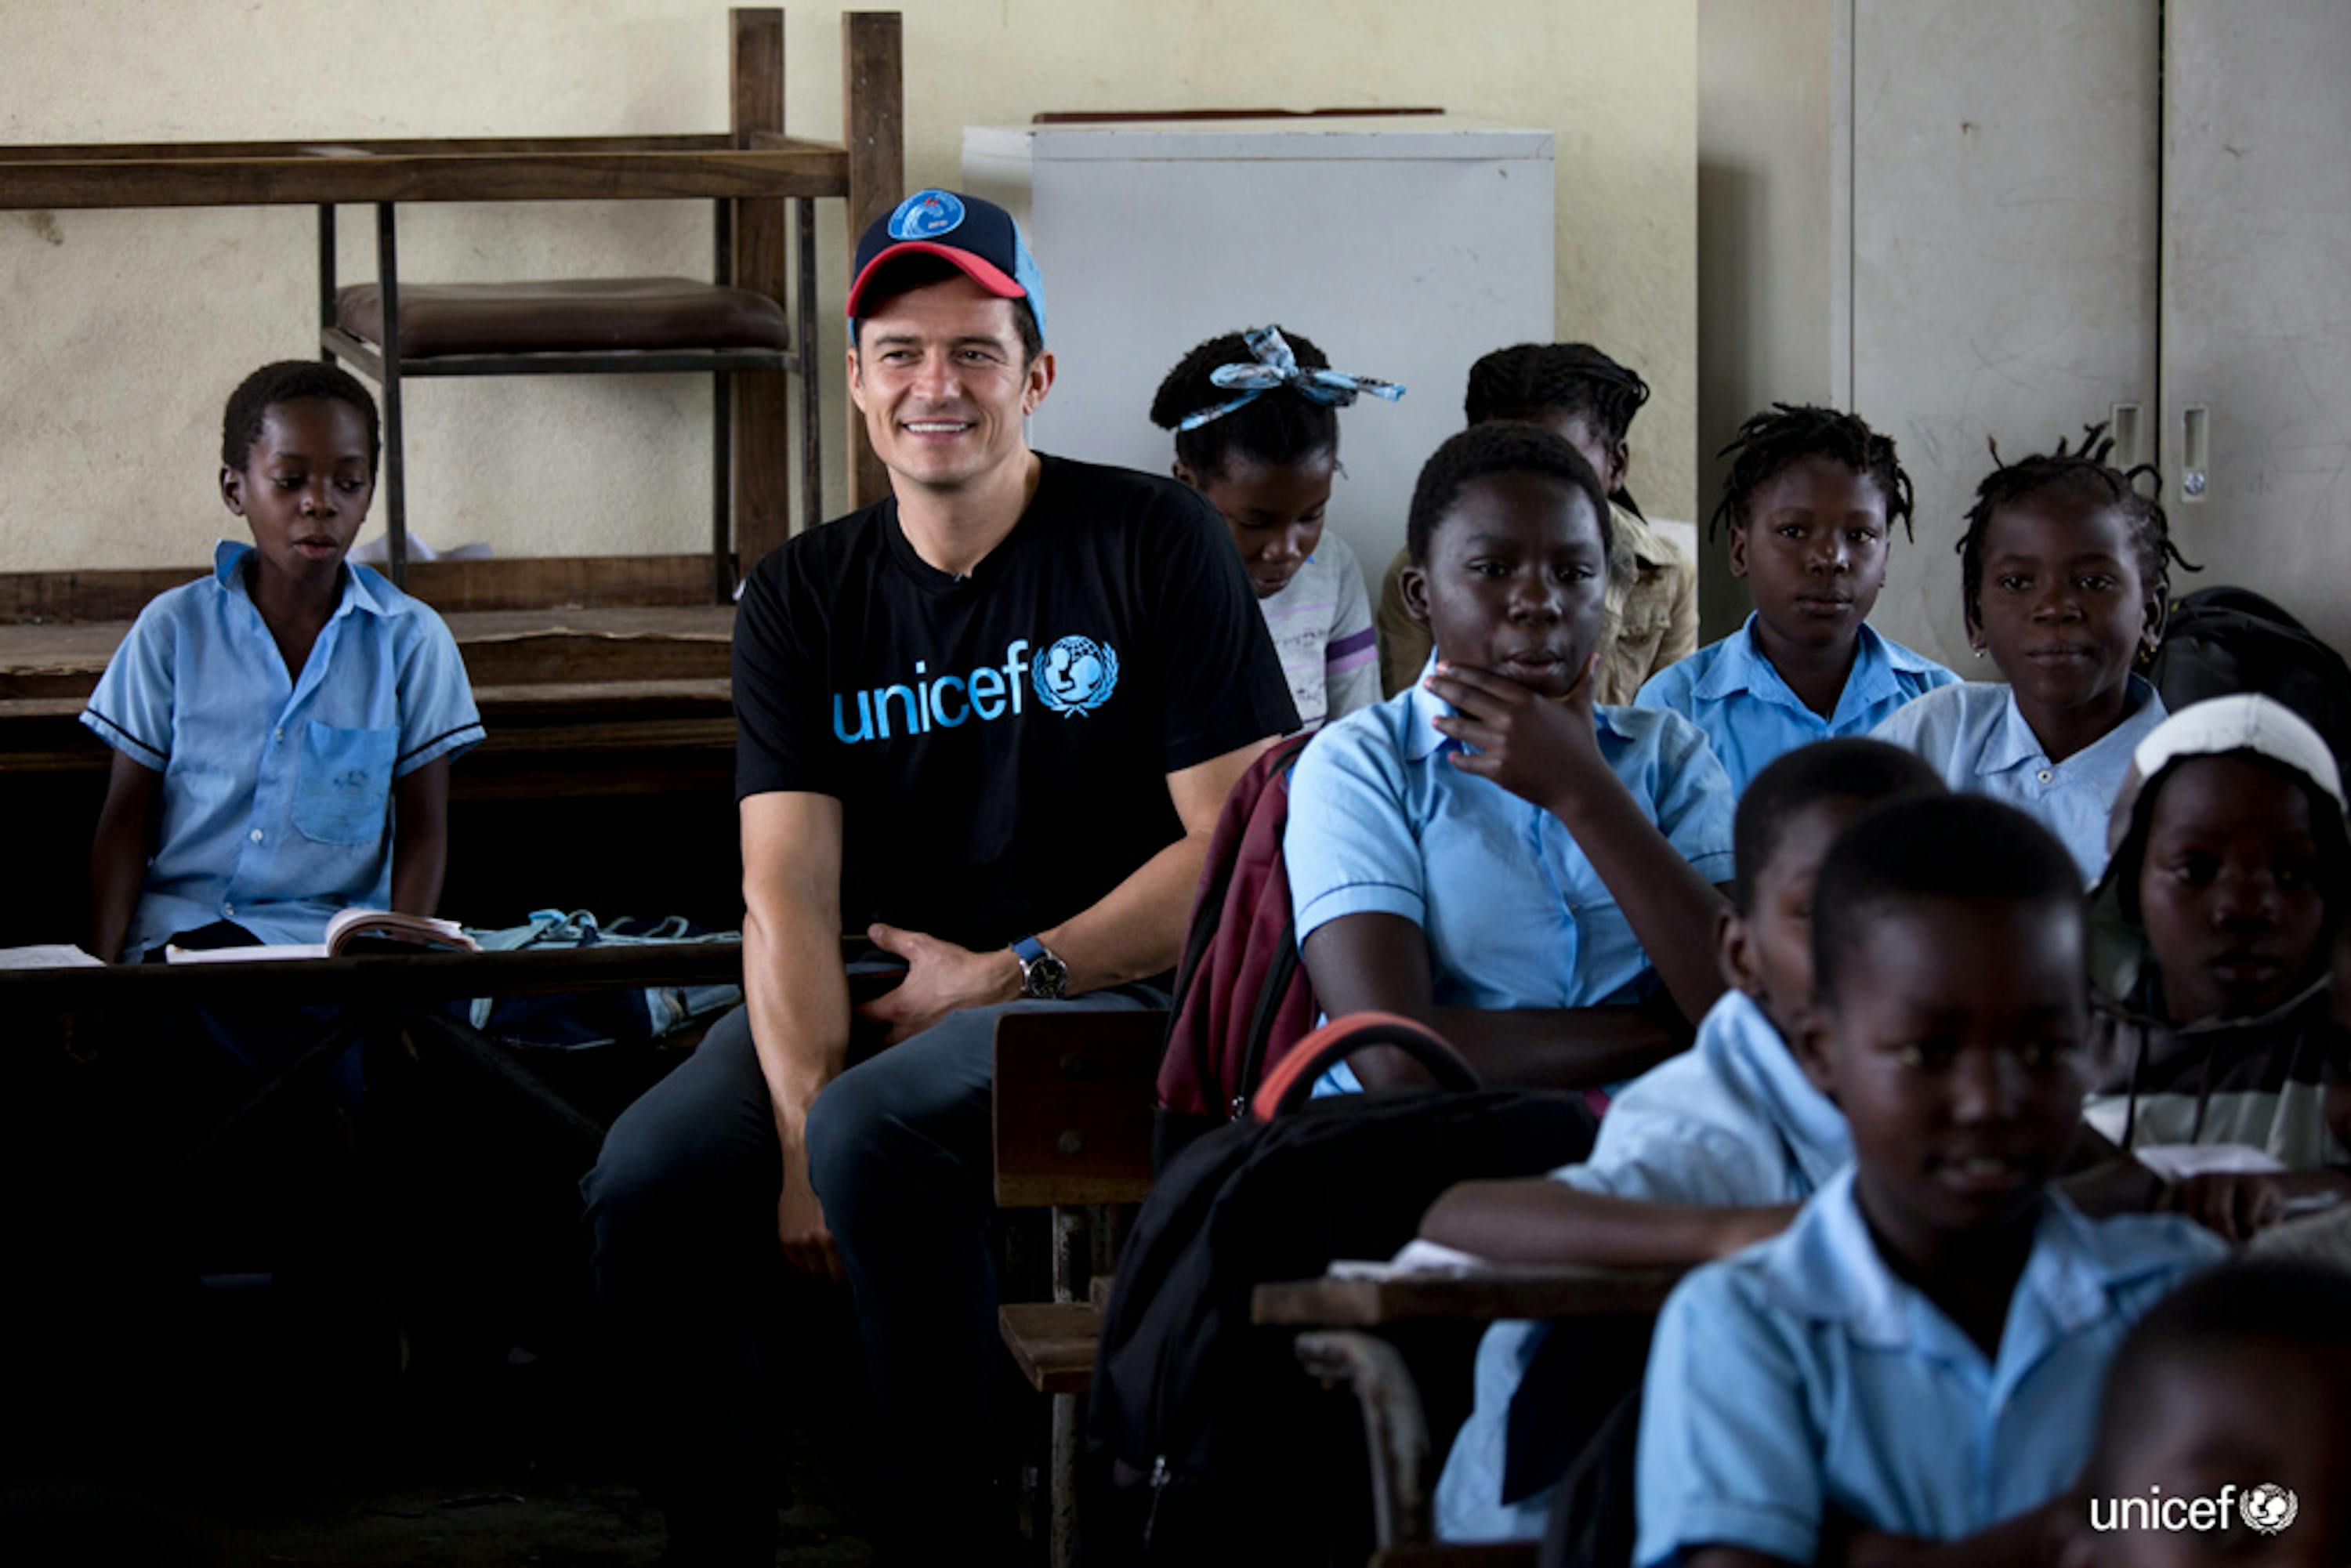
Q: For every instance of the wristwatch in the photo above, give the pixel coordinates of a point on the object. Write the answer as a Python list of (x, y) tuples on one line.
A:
[(1042, 976)]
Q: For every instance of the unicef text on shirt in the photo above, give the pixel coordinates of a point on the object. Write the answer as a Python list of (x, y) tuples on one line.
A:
[(1076, 676)]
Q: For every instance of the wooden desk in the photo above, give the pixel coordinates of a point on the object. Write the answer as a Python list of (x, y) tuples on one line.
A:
[(1340, 1342), (374, 980)]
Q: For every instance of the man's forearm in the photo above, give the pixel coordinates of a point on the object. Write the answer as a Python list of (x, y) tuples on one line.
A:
[(1136, 929), (799, 1000)]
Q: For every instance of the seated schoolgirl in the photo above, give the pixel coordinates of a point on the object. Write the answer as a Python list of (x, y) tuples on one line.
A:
[(2065, 572), (1910, 1372), (1488, 849), (1811, 503), (2222, 908), (1256, 417), (282, 727), (1697, 1159)]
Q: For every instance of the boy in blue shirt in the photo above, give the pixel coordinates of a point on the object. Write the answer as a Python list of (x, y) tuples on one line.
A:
[(1697, 1159), (282, 729), (1811, 503), (1487, 851), (1914, 1365)]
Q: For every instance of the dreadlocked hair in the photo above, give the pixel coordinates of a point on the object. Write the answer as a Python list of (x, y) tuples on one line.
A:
[(1280, 426), (1531, 380), (2084, 469), (1787, 432)]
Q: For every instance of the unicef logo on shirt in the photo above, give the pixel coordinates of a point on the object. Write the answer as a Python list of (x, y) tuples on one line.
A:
[(1076, 675), (926, 214)]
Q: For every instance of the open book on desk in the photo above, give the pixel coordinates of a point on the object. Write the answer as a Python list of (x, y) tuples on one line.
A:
[(351, 931)]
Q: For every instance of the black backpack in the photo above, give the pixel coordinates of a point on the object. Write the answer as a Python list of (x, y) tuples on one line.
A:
[(2222, 641), (1207, 1443)]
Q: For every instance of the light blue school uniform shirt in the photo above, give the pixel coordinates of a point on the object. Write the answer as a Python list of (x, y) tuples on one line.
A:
[(1974, 737), (1733, 692), (276, 791), (1804, 1375), (1731, 1121), (1515, 915)]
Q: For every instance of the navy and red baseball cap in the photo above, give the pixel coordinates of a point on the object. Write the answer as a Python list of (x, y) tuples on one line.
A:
[(978, 236)]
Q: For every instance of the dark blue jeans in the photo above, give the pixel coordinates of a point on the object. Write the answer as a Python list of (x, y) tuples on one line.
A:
[(683, 1207)]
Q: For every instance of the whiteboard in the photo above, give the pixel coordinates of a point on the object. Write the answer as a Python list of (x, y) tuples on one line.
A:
[(1405, 249)]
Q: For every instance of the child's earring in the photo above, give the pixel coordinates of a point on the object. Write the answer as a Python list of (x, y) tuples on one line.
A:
[(1979, 652)]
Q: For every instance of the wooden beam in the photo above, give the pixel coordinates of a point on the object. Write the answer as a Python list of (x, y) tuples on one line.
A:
[(760, 405), (148, 151), (805, 169), (874, 133)]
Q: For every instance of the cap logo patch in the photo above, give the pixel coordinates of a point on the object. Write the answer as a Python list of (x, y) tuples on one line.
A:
[(926, 214)]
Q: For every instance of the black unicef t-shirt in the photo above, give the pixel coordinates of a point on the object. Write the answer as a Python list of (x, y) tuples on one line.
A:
[(1000, 742)]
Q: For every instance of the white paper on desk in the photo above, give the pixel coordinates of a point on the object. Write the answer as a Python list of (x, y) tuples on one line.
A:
[(1418, 1257), (262, 953), (377, 550), (48, 956), (2178, 1162)]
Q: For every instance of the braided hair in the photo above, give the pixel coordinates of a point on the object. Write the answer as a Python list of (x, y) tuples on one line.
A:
[(1529, 380), (1483, 451), (1280, 427), (2085, 470), (1770, 442)]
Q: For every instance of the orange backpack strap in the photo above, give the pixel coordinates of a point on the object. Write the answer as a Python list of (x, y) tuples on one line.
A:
[(1292, 1079)]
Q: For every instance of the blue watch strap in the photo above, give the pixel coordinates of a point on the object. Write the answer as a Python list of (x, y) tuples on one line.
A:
[(1028, 951)]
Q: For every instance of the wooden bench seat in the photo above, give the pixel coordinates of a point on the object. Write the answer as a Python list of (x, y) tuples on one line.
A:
[(1072, 1133), (1052, 1343)]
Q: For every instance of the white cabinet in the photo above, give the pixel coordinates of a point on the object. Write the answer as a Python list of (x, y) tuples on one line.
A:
[(1404, 247), (2256, 326), (2020, 216)]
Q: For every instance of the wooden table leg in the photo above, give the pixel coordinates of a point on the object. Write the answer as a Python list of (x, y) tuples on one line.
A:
[(873, 99)]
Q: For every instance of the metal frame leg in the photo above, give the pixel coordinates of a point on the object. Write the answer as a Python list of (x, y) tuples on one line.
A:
[(722, 435), (395, 489), (326, 278), (1395, 1429), (812, 369)]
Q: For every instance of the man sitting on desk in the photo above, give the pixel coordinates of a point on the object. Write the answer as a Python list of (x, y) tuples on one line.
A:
[(996, 716)]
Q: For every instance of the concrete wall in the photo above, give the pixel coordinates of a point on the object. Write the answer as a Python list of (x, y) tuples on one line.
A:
[(1772, 232), (125, 330)]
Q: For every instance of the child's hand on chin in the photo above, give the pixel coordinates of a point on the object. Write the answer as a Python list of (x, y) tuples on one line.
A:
[(1541, 750)]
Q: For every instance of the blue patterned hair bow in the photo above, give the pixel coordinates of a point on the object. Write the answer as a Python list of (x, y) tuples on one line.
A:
[(1276, 366)]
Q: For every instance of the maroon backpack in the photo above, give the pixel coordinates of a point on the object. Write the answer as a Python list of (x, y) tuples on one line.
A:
[(1242, 998)]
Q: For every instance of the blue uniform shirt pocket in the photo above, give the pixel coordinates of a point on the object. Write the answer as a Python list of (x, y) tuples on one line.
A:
[(342, 782)]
